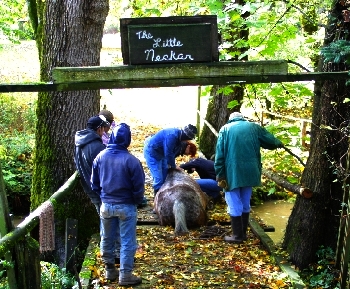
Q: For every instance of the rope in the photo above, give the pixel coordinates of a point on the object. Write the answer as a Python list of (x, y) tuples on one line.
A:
[(46, 227)]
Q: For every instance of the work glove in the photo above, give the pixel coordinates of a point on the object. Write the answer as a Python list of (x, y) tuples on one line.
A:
[(222, 183)]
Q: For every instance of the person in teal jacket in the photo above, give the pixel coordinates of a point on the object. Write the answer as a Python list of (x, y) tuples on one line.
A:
[(238, 167)]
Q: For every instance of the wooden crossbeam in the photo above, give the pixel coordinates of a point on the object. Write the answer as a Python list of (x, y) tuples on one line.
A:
[(163, 75)]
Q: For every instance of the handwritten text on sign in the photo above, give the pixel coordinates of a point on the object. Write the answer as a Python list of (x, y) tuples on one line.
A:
[(164, 43)]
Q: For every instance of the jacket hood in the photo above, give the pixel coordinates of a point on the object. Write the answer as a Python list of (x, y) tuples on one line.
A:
[(121, 135), (85, 136), (236, 119)]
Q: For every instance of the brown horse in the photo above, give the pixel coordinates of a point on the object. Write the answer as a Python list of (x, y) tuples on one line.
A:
[(181, 203)]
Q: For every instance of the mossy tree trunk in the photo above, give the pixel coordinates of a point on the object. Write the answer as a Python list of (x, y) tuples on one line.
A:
[(218, 111), (68, 34), (315, 222)]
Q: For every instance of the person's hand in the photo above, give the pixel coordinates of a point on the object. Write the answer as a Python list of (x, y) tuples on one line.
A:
[(222, 183)]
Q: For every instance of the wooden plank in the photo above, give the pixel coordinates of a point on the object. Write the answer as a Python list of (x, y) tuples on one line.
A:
[(168, 72), (147, 83), (71, 244)]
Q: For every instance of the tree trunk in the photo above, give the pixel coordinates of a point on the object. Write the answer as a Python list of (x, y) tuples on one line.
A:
[(69, 34), (218, 111), (315, 221), (217, 115)]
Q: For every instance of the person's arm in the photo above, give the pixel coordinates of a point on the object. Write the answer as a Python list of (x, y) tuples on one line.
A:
[(267, 139), (95, 178), (138, 180), (188, 167), (170, 143), (219, 163)]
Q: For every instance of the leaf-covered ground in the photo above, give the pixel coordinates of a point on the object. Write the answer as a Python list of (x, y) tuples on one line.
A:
[(199, 260)]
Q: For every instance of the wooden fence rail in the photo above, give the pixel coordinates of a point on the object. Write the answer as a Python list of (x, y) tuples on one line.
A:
[(28, 275)]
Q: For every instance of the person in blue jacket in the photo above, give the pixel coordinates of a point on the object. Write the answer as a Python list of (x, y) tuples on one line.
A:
[(238, 166), (161, 149), (118, 178)]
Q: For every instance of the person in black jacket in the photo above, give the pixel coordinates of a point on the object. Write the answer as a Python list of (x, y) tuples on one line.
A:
[(88, 144), (206, 172)]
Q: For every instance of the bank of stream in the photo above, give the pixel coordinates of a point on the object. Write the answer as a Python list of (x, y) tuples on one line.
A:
[(274, 213)]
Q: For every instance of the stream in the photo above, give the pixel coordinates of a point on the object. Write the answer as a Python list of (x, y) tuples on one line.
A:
[(276, 214)]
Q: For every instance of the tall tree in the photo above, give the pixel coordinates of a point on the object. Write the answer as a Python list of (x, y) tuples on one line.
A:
[(315, 221), (68, 33), (222, 97)]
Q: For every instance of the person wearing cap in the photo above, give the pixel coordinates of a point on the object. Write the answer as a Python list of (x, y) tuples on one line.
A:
[(238, 168), (88, 144), (161, 149), (118, 178), (110, 118)]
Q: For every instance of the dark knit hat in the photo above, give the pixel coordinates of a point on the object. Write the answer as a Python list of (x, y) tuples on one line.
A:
[(190, 130), (97, 121)]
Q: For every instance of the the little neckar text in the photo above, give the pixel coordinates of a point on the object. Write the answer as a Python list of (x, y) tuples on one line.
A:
[(171, 42)]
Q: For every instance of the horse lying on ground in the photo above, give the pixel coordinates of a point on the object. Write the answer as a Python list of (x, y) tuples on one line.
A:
[(181, 203)]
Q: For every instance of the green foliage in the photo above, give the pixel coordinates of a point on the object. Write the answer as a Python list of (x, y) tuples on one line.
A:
[(53, 277), (17, 124), (323, 273), (337, 52), (13, 20), (4, 266)]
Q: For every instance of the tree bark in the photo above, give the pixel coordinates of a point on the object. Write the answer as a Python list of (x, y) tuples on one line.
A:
[(69, 33), (315, 222), (218, 111)]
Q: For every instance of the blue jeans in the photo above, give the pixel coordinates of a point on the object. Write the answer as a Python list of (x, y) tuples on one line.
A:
[(157, 165), (118, 220), (238, 201), (210, 187), (117, 241)]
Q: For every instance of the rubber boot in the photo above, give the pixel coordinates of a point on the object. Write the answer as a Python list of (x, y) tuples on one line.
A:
[(237, 229), (111, 272), (245, 222), (127, 279)]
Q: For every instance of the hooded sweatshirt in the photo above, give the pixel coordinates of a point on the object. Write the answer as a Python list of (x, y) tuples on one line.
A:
[(88, 144), (118, 176)]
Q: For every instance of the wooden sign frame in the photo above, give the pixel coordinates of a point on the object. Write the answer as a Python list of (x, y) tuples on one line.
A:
[(164, 40)]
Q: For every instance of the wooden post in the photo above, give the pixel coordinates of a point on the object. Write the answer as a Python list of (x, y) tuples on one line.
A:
[(303, 134), (343, 245), (71, 243), (198, 111), (28, 263), (6, 227)]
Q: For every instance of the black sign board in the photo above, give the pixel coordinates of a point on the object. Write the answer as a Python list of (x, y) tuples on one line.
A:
[(177, 39)]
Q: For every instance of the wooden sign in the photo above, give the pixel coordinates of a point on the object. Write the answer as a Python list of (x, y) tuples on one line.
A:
[(177, 39)]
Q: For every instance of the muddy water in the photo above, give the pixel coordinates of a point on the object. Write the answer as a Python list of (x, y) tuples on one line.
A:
[(276, 214)]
